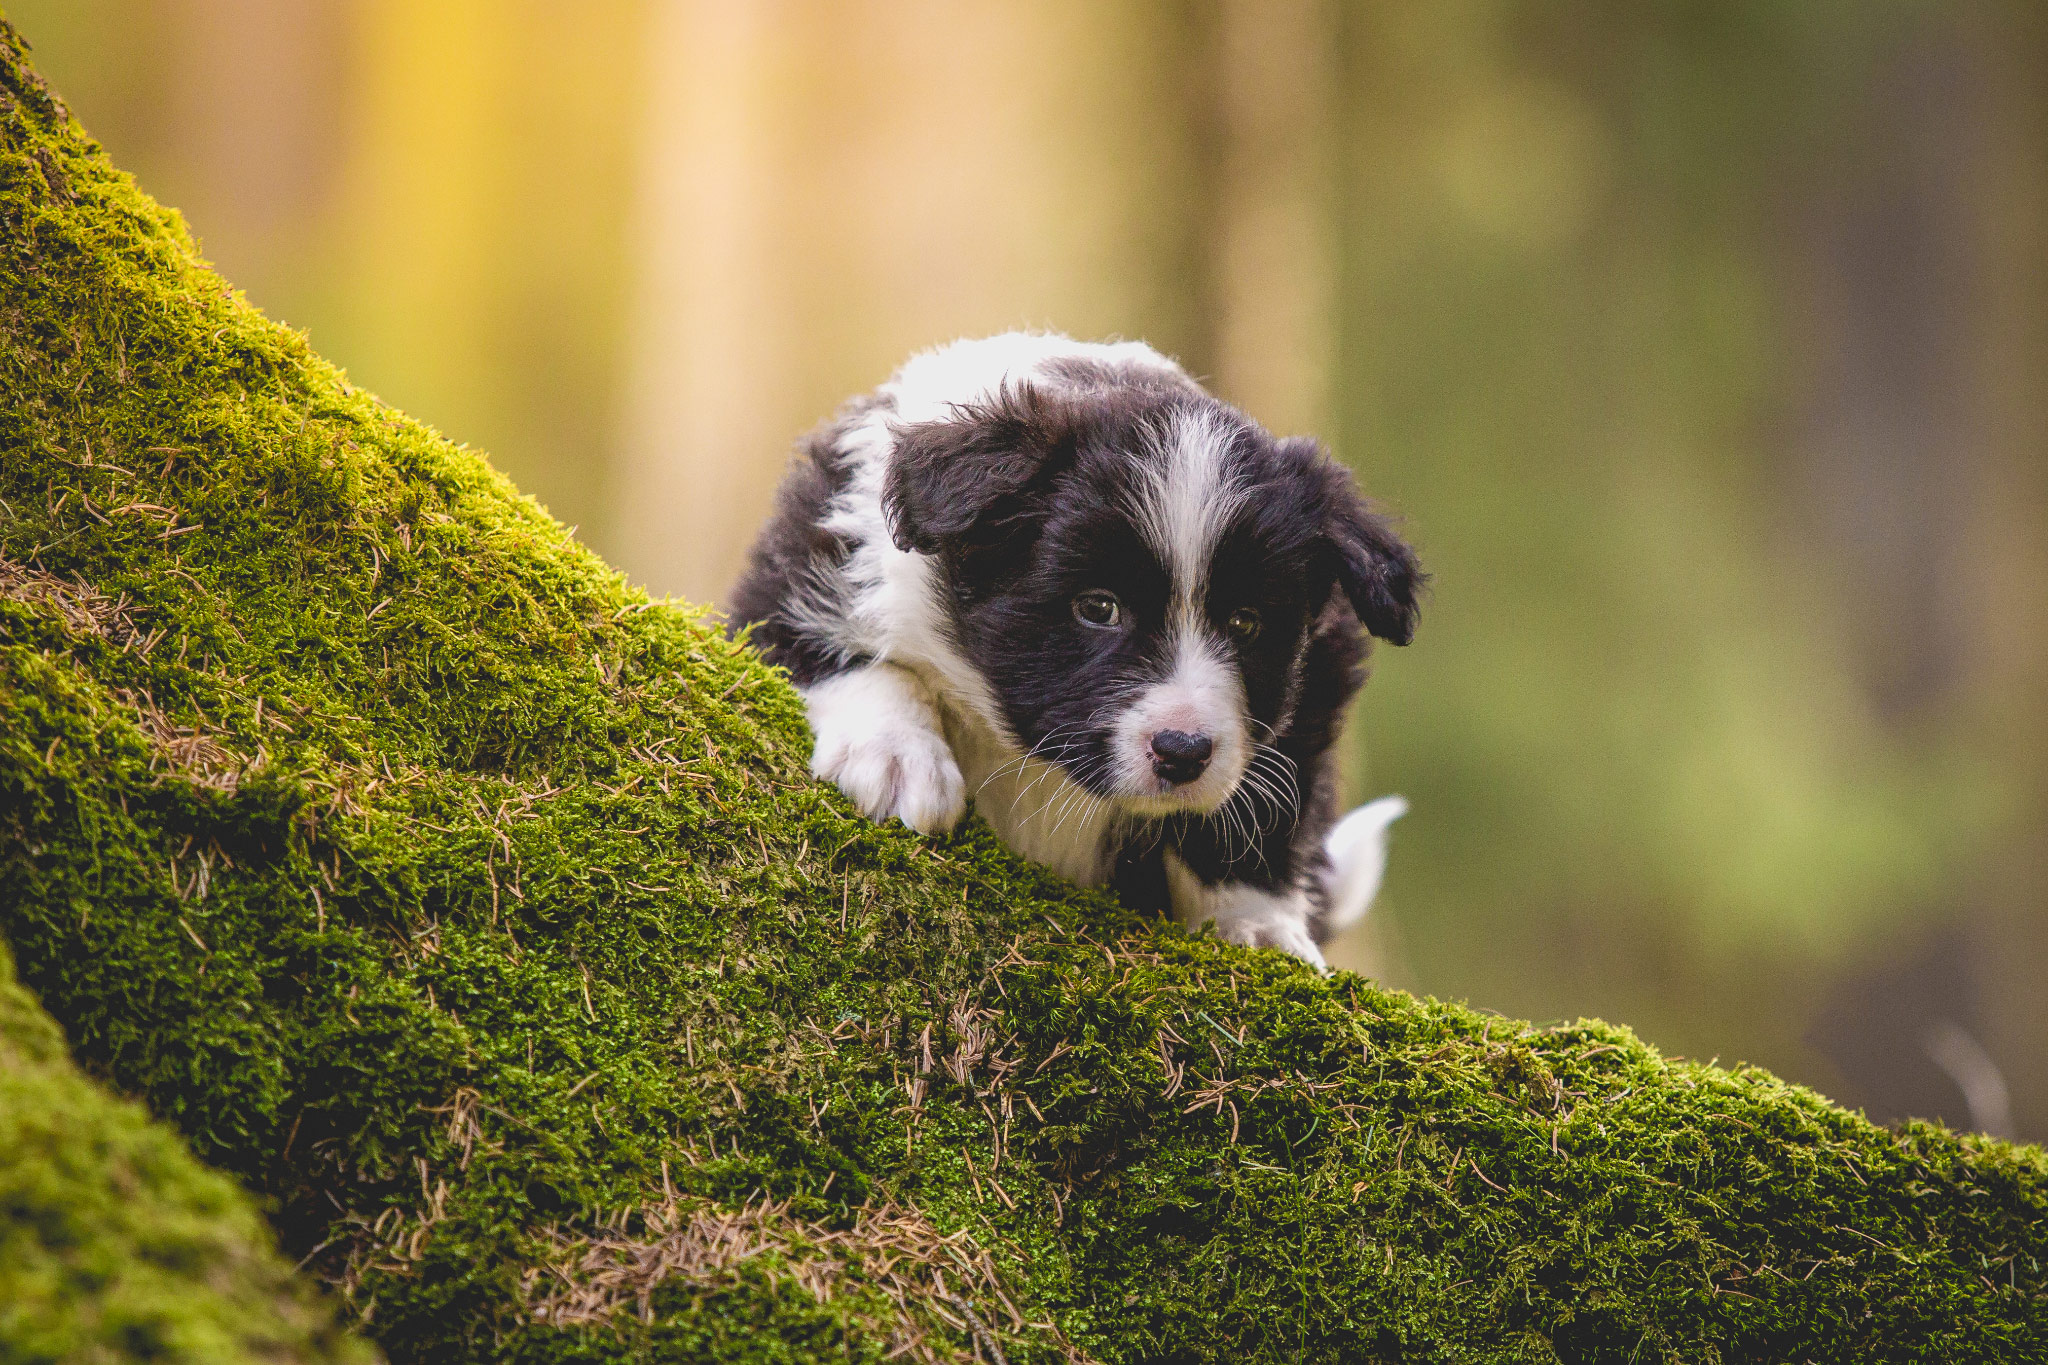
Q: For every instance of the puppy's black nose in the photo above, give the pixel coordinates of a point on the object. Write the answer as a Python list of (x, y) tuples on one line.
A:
[(1178, 756)]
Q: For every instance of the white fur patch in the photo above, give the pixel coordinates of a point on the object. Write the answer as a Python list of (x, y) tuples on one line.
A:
[(1186, 504), (879, 740), (1244, 914)]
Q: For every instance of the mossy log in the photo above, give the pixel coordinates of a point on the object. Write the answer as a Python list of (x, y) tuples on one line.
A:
[(114, 1243), (477, 915)]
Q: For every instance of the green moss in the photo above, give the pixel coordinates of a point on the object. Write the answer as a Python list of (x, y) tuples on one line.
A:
[(479, 913), (114, 1244)]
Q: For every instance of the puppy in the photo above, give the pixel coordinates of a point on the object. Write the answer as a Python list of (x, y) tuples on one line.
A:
[(1062, 580)]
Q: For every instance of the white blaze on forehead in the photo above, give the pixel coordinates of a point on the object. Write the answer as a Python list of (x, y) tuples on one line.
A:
[(1200, 693), (1182, 505), (1186, 501)]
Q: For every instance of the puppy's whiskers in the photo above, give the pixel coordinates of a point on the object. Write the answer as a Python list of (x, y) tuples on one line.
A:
[(1266, 797), (1061, 794), (1039, 750)]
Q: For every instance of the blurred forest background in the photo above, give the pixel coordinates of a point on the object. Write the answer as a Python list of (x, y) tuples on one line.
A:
[(1701, 345)]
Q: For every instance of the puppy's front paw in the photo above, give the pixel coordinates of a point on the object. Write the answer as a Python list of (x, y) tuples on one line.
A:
[(902, 770), (1289, 933), (1256, 917)]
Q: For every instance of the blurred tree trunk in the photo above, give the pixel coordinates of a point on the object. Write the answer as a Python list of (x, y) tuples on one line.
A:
[(712, 381), (822, 198), (476, 260), (1267, 122), (1272, 253), (1922, 476), (2010, 583), (253, 127)]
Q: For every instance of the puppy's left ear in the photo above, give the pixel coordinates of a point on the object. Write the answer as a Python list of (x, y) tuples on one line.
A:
[(961, 480), (1374, 567)]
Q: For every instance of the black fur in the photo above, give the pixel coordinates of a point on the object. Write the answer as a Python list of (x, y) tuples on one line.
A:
[(795, 550)]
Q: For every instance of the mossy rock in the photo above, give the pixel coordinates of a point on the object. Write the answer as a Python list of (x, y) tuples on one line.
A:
[(478, 914)]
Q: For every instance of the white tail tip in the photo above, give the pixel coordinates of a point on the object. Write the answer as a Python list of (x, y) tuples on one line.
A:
[(1357, 848)]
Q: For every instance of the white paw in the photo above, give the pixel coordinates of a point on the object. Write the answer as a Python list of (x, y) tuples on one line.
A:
[(1289, 933), (879, 742), (1244, 914), (902, 771)]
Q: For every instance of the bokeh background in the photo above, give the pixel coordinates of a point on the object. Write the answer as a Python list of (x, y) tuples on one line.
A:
[(1701, 346)]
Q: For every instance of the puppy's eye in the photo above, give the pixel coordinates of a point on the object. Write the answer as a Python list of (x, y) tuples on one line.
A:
[(1244, 625), (1098, 609)]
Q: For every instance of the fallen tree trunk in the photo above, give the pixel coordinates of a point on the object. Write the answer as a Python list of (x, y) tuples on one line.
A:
[(478, 914), (114, 1243)]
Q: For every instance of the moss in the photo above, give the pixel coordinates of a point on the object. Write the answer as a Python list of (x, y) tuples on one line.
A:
[(115, 1245), (477, 912)]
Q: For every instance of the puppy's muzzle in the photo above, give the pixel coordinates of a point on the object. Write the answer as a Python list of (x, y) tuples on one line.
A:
[(1179, 757)]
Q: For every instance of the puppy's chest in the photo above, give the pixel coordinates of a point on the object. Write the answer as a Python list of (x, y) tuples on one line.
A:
[(1032, 805)]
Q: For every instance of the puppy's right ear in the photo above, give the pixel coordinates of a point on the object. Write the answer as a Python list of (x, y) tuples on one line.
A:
[(961, 480)]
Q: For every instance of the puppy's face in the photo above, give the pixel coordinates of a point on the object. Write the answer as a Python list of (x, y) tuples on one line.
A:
[(1136, 574)]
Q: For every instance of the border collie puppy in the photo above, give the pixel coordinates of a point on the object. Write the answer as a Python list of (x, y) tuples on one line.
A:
[(1062, 580)]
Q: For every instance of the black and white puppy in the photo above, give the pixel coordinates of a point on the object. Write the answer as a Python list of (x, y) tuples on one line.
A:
[(1061, 579)]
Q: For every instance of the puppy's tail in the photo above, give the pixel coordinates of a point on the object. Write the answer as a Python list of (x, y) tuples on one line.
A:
[(1357, 848)]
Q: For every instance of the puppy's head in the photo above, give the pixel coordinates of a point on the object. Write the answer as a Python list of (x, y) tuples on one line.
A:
[(1135, 569)]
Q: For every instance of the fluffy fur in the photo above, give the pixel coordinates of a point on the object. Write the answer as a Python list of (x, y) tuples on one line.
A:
[(1061, 580)]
